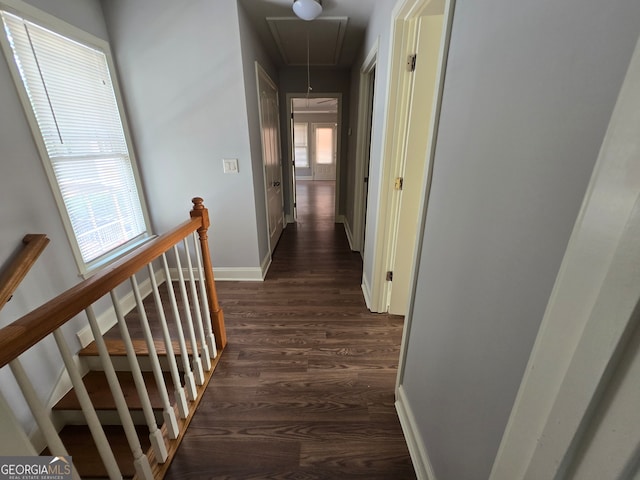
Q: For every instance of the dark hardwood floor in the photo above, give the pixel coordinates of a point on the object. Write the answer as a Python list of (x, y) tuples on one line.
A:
[(305, 387)]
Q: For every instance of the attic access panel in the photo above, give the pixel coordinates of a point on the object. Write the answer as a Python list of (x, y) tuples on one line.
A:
[(326, 36)]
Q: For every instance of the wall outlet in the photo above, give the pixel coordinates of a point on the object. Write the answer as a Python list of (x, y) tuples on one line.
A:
[(230, 165)]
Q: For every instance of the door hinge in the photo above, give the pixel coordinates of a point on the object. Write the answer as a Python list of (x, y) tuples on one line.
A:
[(366, 179), (295, 204), (411, 62), (397, 185), (389, 276), (291, 115)]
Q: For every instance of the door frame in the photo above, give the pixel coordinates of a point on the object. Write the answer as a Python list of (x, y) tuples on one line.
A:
[(313, 126), (363, 146), (403, 43), (291, 214)]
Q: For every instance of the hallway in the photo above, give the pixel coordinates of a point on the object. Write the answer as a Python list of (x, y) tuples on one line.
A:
[(305, 386)]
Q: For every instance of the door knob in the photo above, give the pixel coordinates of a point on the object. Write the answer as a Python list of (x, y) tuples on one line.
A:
[(276, 184)]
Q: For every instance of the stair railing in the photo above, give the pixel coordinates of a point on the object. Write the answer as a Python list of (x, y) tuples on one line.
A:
[(14, 273), (201, 317)]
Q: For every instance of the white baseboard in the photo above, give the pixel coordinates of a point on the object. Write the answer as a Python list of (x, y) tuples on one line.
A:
[(289, 218), (366, 291), (107, 319), (347, 230), (340, 219), (266, 263), (229, 274), (419, 457)]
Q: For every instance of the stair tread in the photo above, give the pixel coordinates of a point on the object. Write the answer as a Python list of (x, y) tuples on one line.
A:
[(98, 389), (80, 445), (115, 347)]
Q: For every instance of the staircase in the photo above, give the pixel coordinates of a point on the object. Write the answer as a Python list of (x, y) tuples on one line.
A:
[(137, 387), (76, 435)]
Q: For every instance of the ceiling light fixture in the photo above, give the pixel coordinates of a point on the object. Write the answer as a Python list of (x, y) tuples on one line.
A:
[(307, 9)]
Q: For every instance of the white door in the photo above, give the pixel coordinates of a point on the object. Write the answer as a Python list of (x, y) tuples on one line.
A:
[(415, 162), (269, 127), (323, 150)]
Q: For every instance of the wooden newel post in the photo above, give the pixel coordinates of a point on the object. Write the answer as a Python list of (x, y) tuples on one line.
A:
[(217, 315)]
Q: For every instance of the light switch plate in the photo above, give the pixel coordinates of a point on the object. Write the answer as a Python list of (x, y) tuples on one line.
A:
[(230, 165)]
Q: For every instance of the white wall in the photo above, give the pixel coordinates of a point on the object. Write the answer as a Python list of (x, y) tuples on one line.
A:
[(528, 94), (27, 206), (181, 72)]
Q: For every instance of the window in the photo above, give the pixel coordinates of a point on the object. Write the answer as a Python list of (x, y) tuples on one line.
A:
[(324, 144), (301, 144), (69, 97)]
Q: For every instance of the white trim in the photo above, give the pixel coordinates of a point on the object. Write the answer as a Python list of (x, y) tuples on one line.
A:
[(231, 274), (366, 291), (590, 313), (264, 266), (363, 143), (415, 443), (289, 161), (339, 219), (347, 231), (107, 319)]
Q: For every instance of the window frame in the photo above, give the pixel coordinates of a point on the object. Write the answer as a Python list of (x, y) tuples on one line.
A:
[(306, 145), (71, 32)]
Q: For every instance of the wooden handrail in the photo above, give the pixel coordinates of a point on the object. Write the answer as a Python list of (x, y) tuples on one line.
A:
[(28, 330), (10, 278)]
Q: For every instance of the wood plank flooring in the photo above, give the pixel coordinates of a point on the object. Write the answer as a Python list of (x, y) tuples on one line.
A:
[(305, 387)]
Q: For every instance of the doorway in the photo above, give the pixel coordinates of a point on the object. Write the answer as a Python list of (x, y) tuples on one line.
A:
[(314, 143), (414, 103), (363, 151)]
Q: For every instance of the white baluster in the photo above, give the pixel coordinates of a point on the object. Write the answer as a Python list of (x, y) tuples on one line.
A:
[(197, 363), (181, 399), (93, 422), (204, 350), (211, 340), (140, 460), (155, 435), (167, 410), (189, 381), (41, 415)]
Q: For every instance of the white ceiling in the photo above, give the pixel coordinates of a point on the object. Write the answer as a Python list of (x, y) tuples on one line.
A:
[(334, 38)]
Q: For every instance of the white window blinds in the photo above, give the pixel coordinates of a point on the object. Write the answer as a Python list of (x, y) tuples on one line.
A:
[(300, 137), (69, 87)]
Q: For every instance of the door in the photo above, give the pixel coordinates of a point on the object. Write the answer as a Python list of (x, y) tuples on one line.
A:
[(323, 150), (269, 129), (415, 161)]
